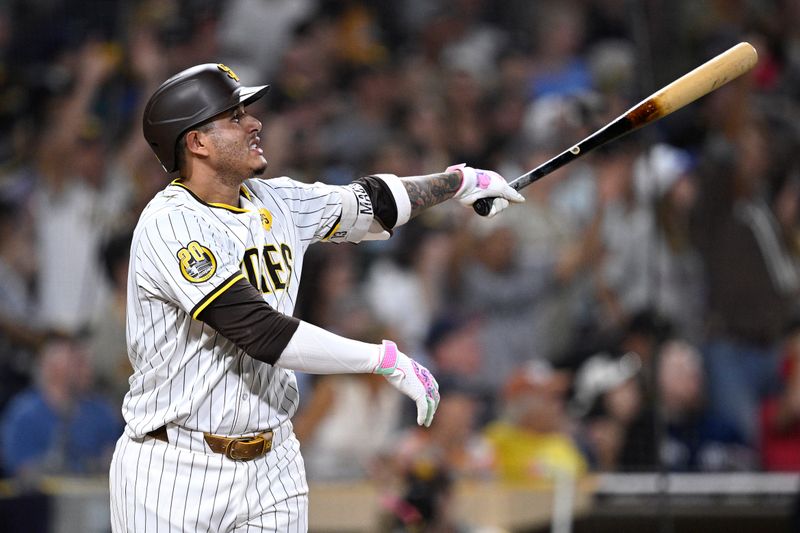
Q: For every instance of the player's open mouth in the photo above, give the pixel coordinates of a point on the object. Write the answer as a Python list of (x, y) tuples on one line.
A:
[(255, 146)]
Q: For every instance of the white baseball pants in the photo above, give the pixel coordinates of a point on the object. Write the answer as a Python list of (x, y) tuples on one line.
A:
[(166, 487)]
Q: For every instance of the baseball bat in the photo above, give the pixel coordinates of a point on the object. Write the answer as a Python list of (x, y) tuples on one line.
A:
[(709, 76)]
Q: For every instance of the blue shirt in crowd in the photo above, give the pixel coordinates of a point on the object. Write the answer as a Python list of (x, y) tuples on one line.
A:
[(33, 434)]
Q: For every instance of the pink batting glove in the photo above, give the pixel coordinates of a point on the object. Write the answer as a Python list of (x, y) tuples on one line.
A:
[(410, 378)]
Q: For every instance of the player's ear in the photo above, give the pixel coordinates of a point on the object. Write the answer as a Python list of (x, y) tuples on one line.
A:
[(197, 143)]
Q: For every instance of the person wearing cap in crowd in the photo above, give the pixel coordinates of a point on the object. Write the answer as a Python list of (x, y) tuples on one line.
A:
[(607, 400), (533, 438)]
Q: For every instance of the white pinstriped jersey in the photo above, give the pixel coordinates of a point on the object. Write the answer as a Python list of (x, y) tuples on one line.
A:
[(184, 253)]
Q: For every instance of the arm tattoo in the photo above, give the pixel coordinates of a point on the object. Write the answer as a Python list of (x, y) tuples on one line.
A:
[(427, 191)]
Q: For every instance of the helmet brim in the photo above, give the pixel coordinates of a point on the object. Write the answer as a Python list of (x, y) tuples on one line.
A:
[(248, 95)]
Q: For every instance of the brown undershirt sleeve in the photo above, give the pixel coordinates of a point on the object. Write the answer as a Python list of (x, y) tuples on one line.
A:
[(241, 315)]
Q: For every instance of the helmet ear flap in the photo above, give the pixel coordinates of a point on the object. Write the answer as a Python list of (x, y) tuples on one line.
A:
[(188, 99), (180, 152)]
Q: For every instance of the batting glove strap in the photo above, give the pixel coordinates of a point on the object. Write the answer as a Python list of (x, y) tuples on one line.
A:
[(477, 183), (411, 378)]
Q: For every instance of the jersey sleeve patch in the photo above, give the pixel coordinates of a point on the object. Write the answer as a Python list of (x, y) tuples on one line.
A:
[(197, 263)]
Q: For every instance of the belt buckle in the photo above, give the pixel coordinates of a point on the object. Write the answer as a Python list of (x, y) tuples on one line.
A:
[(231, 451)]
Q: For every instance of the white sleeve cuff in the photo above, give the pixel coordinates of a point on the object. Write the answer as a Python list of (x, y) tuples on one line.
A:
[(317, 351), (400, 195)]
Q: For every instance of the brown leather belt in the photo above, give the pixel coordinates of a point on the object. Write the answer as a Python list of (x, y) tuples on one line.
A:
[(236, 448)]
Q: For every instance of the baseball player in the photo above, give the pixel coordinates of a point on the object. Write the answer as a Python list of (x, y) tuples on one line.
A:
[(215, 266)]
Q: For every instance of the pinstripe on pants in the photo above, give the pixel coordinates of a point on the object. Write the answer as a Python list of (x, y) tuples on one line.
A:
[(159, 487)]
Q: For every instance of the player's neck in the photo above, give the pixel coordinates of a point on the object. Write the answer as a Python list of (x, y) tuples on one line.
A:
[(214, 191)]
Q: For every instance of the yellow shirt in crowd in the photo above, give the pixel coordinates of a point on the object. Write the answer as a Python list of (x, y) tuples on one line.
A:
[(522, 455)]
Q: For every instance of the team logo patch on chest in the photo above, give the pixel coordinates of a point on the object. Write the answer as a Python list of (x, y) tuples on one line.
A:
[(266, 219), (198, 264)]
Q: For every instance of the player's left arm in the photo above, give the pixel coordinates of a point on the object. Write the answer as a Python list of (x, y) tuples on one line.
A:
[(465, 184), (395, 200), (242, 316), (369, 208)]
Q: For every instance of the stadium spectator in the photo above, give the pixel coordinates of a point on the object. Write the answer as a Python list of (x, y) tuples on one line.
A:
[(355, 133), (547, 228), (507, 285), (455, 445), (273, 21), (106, 338), (622, 281), (697, 439), (618, 410), (752, 279), (453, 345), (532, 439), (340, 408), (403, 286), (780, 414), (21, 333), (426, 462), (59, 426), (559, 68), (673, 284), (608, 400), (78, 196)]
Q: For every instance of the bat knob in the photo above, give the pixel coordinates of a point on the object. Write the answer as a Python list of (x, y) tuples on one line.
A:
[(483, 206)]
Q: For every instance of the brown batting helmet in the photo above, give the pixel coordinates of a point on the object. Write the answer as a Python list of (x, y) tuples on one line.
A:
[(186, 100)]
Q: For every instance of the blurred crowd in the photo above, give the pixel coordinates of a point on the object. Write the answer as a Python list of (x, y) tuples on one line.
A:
[(640, 311)]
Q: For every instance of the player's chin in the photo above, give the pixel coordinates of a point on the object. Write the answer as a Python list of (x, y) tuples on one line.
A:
[(261, 167)]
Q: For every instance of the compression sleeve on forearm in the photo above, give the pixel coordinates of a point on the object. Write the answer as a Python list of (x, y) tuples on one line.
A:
[(317, 351), (240, 314)]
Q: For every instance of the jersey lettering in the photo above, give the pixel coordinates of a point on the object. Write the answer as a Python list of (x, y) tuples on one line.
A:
[(250, 264), (274, 267), (286, 252), (270, 270)]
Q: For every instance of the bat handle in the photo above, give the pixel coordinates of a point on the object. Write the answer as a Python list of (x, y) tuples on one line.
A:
[(483, 206)]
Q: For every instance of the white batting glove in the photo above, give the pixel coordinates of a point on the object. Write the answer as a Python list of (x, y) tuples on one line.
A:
[(410, 378), (477, 183)]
